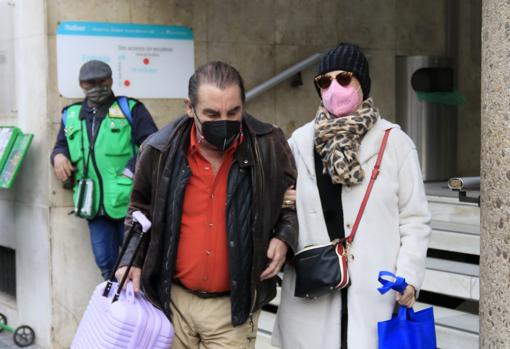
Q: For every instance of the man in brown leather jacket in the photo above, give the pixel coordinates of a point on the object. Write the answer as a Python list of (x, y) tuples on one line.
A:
[(212, 183)]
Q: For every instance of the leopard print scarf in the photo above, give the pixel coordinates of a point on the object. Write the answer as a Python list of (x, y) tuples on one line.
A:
[(337, 140)]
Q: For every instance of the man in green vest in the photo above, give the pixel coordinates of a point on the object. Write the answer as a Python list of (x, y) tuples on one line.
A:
[(96, 150)]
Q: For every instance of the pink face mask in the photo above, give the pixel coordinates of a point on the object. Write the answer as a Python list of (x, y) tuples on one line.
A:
[(340, 100)]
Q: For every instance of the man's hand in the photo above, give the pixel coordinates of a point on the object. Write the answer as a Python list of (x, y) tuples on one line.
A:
[(276, 253), (289, 198), (408, 298), (62, 166), (133, 276)]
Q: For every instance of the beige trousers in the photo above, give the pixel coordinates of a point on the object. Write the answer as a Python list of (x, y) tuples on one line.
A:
[(206, 323)]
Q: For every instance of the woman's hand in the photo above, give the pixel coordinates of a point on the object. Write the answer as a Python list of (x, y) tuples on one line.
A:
[(408, 298), (289, 198)]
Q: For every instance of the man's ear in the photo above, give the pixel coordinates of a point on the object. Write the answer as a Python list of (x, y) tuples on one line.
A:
[(189, 107)]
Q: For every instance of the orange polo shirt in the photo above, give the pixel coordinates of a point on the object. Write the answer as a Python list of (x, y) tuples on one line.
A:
[(202, 255)]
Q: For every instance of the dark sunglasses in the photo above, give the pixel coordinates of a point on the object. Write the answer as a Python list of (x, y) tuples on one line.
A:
[(324, 81)]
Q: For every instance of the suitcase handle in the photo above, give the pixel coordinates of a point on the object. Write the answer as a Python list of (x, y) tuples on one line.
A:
[(139, 226), (140, 218), (125, 276)]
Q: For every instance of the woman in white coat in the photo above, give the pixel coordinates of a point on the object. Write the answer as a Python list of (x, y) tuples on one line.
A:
[(335, 154)]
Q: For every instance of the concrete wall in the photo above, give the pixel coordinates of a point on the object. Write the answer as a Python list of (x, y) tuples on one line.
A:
[(263, 37), (260, 38), (469, 61), (24, 208), (7, 81)]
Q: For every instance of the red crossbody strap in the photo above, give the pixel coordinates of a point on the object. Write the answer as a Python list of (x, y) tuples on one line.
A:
[(373, 177)]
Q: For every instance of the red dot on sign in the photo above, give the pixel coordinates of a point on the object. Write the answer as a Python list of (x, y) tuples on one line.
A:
[(146, 61), (127, 83)]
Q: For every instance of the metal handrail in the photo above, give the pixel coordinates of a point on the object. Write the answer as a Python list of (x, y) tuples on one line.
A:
[(463, 185), (284, 75)]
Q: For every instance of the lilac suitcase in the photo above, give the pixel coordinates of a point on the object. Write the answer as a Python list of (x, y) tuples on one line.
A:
[(115, 320), (131, 323)]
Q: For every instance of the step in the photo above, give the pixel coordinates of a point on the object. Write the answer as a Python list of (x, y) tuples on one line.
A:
[(448, 338), (455, 242), (444, 209), (452, 278), (276, 300), (263, 341), (454, 329), (445, 265), (456, 227), (266, 322)]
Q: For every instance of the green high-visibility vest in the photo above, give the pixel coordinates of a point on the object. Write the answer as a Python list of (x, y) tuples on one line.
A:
[(104, 162)]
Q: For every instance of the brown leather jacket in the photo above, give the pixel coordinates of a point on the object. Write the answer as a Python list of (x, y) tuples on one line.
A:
[(262, 170)]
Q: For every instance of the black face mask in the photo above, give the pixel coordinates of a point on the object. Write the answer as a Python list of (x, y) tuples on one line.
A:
[(98, 94), (220, 133)]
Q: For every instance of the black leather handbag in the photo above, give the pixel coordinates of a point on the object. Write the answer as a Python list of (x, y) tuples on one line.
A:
[(321, 269)]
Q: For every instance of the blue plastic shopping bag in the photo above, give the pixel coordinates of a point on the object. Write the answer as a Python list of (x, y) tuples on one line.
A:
[(407, 329)]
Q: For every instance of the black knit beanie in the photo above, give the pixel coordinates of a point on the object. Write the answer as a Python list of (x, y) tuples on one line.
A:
[(347, 57)]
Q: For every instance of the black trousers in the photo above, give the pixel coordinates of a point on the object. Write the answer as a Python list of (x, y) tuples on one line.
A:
[(344, 322)]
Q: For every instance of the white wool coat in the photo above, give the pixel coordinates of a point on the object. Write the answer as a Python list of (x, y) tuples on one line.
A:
[(393, 235)]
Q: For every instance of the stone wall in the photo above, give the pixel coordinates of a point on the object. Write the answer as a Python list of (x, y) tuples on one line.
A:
[(24, 209), (495, 177)]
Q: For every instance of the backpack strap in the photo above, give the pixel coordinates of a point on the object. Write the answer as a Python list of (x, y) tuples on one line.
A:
[(124, 106), (64, 112), (64, 116)]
